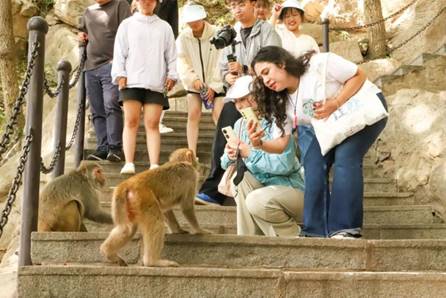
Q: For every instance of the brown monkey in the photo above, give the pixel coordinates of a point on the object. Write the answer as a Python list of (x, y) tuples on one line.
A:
[(67, 199), (146, 199)]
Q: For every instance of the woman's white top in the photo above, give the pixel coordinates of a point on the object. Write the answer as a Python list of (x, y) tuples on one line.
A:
[(144, 52), (338, 71), (296, 45)]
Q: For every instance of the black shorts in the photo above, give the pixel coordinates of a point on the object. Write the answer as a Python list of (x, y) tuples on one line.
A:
[(144, 96)]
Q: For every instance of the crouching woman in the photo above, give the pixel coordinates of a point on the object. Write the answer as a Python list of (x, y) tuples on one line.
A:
[(269, 198)]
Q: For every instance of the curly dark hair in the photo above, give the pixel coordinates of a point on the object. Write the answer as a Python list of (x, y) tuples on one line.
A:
[(272, 104)]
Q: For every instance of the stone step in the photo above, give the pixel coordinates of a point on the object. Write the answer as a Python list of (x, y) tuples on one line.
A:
[(254, 251), (388, 198), (404, 69), (207, 137), (135, 281), (370, 231), (425, 57), (373, 215), (166, 143)]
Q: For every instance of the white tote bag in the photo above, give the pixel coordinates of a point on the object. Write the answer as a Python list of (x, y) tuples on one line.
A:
[(362, 109)]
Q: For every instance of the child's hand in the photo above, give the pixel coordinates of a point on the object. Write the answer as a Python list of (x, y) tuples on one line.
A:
[(235, 67), (231, 151), (197, 84), (255, 134), (169, 84), (122, 83)]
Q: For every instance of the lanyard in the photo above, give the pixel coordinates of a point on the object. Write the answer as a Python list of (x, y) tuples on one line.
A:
[(294, 104)]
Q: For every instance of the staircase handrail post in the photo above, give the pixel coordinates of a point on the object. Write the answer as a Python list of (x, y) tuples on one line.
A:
[(81, 101), (37, 27), (325, 34), (60, 128)]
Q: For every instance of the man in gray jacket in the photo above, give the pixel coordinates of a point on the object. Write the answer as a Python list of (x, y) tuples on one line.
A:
[(252, 35)]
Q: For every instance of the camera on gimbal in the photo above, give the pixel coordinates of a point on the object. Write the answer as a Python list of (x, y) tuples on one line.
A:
[(224, 37)]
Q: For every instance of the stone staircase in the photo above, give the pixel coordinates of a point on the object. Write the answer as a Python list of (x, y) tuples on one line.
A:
[(427, 72), (402, 254)]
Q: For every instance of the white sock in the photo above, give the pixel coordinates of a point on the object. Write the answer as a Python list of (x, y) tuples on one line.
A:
[(154, 166)]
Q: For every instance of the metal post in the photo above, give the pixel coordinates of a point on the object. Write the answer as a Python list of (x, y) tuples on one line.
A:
[(325, 35), (38, 28), (60, 128), (81, 101)]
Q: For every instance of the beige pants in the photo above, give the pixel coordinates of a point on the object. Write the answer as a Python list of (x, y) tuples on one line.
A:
[(267, 210)]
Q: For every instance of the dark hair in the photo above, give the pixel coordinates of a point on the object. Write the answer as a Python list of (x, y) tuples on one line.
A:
[(264, 3), (272, 104), (286, 9)]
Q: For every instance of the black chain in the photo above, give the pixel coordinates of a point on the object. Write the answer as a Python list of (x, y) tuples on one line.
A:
[(17, 182), (48, 90), (76, 127), (419, 31), (55, 158), (77, 75), (5, 141), (375, 22)]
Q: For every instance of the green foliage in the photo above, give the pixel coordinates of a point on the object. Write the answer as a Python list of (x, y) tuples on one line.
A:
[(44, 6)]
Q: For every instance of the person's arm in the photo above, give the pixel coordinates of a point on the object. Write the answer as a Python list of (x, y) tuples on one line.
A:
[(345, 72), (271, 37), (124, 11), (185, 70), (120, 53), (170, 55), (277, 145)]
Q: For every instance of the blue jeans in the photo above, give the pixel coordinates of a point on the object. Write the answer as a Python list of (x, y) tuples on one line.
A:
[(104, 107), (328, 213)]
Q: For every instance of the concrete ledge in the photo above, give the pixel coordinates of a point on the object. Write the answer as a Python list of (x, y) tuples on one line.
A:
[(96, 281), (255, 251)]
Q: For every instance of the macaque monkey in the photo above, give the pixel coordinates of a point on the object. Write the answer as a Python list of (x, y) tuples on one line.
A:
[(66, 200), (145, 201)]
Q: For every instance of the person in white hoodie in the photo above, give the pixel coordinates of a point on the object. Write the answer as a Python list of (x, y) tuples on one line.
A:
[(144, 67), (198, 69)]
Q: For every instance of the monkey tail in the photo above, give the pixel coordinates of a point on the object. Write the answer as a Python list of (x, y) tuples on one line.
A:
[(120, 206)]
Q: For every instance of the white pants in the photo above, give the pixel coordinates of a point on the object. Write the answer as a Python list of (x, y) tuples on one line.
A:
[(267, 210)]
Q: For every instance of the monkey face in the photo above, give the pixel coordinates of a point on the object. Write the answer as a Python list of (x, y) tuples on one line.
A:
[(98, 176)]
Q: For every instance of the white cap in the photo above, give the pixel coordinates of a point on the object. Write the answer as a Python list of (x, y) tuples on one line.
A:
[(241, 88), (192, 13), (293, 4)]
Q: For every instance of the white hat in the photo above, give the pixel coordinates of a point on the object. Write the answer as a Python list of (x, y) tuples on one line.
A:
[(192, 13), (293, 4), (241, 88)]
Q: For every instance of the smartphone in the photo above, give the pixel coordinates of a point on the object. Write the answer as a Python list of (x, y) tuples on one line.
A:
[(249, 114), (228, 133)]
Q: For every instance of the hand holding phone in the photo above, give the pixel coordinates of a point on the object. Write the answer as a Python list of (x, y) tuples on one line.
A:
[(249, 115), (229, 133)]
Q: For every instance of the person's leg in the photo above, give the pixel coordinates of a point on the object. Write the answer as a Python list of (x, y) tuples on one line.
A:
[(276, 209), (113, 111), (152, 115), (228, 116), (346, 206), (193, 120), (95, 96), (245, 222), (216, 111), (132, 111), (316, 195)]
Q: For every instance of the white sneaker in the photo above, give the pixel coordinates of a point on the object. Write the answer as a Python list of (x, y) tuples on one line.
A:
[(345, 235), (165, 129), (154, 166), (128, 169)]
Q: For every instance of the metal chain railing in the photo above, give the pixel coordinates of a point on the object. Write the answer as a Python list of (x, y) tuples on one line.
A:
[(72, 83), (76, 127), (419, 31), (54, 159), (5, 140), (12, 194), (402, 9)]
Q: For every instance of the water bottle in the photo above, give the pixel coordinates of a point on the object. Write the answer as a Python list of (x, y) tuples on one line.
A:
[(203, 95)]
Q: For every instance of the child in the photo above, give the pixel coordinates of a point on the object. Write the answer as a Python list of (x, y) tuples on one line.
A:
[(144, 67)]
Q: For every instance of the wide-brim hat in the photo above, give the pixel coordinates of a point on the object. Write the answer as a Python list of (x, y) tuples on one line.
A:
[(241, 88), (293, 4), (192, 13)]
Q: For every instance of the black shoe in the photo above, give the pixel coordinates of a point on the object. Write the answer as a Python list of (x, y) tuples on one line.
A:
[(114, 155), (97, 155)]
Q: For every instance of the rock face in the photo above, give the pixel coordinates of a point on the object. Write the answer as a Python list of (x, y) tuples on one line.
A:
[(69, 11), (379, 67), (348, 49), (418, 124)]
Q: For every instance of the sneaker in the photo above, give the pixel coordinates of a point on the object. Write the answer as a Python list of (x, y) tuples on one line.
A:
[(114, 155), (97, 155), (203, 199), (165, 129), (128, 169), (345, 235)]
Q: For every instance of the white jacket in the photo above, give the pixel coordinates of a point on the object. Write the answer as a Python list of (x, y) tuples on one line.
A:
[(144, 52), (198, 59)]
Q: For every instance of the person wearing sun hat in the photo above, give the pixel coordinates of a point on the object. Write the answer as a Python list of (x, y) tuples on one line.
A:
[(291, 14), (269, 198), (198, 69)]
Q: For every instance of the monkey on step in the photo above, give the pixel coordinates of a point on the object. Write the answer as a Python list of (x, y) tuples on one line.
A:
[(66, 200), (145, 200)]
